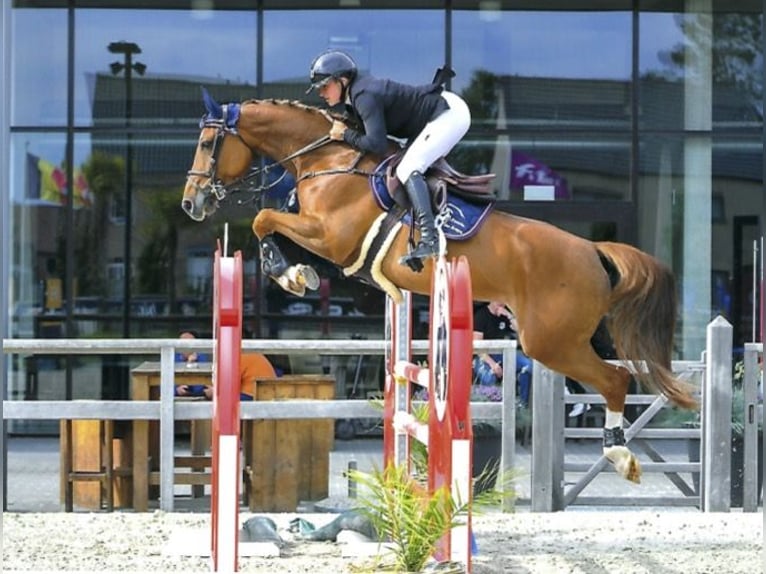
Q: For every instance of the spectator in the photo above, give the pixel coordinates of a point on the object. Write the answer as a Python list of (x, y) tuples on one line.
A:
[(574, 388), (252, 366), (191, 358), (495, 321)]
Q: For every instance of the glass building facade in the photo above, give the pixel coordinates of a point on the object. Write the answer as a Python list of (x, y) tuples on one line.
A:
[(641, 119)]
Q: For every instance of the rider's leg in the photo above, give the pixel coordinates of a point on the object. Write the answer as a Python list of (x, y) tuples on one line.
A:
[(436, 140), (420, 197)]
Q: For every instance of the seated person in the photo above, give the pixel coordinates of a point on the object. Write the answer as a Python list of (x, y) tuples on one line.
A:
[(494, 321), (252, 366), (190, 358)]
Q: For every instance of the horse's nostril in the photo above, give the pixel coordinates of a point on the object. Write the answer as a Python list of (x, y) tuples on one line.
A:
[(187, 205)]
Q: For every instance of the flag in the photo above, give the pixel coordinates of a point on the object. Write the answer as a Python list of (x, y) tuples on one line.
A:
[(47, 183), (52, 183), (526, 170), (82, 195)]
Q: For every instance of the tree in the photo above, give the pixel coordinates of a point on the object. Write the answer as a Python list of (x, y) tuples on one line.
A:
[(105, 175), (481, 97), (736, 52)]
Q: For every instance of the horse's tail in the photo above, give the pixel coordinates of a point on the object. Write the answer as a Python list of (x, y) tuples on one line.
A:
[(642, 318)]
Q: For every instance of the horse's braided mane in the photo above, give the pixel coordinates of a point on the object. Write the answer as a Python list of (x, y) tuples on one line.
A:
[(295, 104)]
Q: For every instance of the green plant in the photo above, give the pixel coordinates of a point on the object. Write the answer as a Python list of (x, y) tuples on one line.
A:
[(739, 372), (412, 521), (403, 515)]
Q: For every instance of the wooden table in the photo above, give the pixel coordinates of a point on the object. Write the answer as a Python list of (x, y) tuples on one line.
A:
[(145, 386)]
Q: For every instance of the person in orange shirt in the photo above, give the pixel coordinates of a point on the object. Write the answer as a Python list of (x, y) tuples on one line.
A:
[(252, 366)]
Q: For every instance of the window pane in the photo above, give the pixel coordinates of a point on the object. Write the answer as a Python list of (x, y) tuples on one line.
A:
[(694, 65), (38, 67), (541, 67), (737, 199), (160, 233), (379, 40), (540, 168), (179, 51)]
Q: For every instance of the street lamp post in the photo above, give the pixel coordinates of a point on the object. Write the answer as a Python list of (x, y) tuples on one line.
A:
[(128, 66)]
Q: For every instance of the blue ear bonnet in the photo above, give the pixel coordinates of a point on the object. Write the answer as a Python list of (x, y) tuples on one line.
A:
[(228, 114)]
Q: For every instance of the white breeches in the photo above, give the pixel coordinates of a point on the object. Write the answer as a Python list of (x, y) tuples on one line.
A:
[(437, 139)]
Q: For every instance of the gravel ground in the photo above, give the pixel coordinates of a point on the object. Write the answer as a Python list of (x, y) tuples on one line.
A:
[(580, 541)]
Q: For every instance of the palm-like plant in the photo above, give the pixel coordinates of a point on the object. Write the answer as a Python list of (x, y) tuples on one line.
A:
[(406, 516)]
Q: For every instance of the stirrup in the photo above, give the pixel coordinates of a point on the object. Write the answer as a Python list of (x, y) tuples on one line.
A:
[(423, 249), (414, 259)]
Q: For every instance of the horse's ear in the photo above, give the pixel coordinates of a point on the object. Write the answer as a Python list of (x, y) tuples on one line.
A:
[(213, 108)]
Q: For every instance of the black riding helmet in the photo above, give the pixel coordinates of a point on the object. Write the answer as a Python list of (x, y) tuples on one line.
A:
[(331, 64)]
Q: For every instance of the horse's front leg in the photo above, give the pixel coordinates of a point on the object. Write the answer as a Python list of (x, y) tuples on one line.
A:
[(292, 278)]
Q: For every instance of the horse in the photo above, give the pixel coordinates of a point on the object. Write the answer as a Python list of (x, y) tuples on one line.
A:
[(563, 289)]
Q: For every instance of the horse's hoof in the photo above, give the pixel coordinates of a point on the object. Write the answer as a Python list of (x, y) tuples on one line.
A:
[(308, 277), (629, 468), (290, 286), (634, 471), (625, 463)]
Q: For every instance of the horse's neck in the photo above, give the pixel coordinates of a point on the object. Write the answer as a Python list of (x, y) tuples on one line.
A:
[(280, 130)]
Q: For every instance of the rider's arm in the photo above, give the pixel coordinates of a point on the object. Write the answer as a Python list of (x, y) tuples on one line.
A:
[(374, 139)]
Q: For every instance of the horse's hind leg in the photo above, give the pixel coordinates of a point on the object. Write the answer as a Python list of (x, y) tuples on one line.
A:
[(625, 462), (611, 382)]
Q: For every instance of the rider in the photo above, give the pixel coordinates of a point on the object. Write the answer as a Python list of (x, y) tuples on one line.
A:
[(430, 118)]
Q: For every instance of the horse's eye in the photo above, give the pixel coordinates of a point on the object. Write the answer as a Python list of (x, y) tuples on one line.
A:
[(207, 145)]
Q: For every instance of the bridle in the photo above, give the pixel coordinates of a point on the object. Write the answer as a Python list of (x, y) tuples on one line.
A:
[(224, 126), (215, 185)]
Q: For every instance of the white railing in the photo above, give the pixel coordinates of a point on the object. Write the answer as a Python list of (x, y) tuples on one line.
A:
[(166, 410)]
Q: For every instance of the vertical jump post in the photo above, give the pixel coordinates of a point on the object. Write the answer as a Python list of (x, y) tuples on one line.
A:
[(448, 379), (227, 332)]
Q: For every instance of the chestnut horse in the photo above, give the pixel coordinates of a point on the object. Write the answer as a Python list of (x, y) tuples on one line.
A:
[(561, 288)]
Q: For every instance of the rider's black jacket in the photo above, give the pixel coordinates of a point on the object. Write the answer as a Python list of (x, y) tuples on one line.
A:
[(385, 107)]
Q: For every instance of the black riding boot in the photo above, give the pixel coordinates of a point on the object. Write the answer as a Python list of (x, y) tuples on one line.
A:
[(417, 190)]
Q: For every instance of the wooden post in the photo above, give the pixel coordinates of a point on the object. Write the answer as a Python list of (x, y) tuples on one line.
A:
[(547, 440)]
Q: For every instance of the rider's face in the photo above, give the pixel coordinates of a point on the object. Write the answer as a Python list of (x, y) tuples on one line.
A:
[(331, 92)]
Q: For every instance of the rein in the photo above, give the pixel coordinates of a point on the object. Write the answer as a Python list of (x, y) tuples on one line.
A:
[(352, 169), (239, 185)]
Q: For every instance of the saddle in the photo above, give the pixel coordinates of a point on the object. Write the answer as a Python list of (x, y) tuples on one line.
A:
[(441, 176)]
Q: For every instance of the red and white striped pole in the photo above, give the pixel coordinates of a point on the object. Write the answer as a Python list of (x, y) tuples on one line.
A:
[(448, 379), (227, 331)]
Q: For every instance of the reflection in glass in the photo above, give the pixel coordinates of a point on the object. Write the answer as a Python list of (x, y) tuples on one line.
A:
[(178, 53), (38, 67), (37, 223), (672, 48), (544, 66), (406, 47), (578, 168)]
